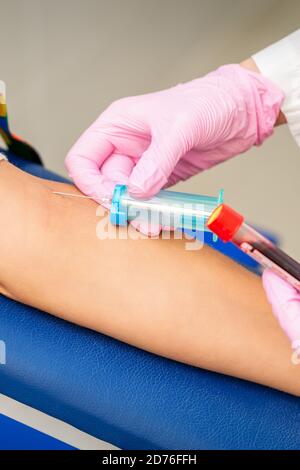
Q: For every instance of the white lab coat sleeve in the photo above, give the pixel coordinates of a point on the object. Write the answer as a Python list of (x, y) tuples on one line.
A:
[(280, 62)]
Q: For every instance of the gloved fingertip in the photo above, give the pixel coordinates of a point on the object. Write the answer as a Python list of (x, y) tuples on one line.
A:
[(276, 287), (106, 205), (140, 193), (143, 189), (168, 228), (285, 302), (150, 230), (146, 179)]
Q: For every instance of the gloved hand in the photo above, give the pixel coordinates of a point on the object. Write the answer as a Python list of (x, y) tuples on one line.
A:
[(285, 302), (152, 141)]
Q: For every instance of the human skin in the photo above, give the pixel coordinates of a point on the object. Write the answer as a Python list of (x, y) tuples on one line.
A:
[(197, 307)]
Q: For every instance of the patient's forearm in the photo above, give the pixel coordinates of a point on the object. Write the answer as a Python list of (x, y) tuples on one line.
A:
[(195, 307)]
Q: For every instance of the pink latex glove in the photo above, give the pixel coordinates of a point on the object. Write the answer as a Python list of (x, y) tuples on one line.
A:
[(285, 302), (152, 141)]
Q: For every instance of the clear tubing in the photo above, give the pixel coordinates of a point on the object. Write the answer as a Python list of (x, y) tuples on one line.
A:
[(267, 254), (168, 208)]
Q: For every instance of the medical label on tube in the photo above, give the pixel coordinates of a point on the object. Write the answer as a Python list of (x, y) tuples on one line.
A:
[(229, 225)]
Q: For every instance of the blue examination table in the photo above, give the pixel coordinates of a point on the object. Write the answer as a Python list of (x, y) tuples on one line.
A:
[(128, 397)]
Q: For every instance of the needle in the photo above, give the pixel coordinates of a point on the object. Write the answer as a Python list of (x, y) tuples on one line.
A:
[(104, 200)]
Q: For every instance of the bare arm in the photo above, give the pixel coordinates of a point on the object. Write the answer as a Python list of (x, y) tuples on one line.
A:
[(196, 307)]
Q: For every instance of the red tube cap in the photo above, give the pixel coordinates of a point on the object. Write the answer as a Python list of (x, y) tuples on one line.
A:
[(225, 222)]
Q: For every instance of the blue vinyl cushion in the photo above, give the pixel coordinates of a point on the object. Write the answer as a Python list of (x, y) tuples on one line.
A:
[(129, 397), (17, 436)]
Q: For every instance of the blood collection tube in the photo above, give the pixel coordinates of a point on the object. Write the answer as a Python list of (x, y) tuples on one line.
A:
[(229, 225)]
